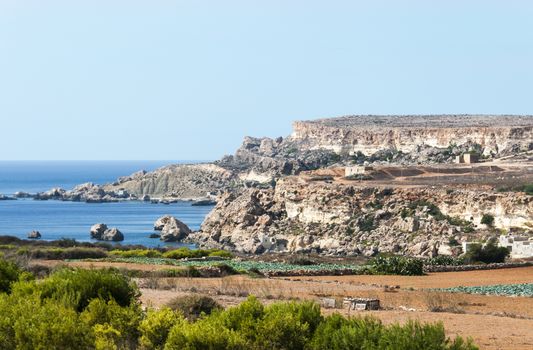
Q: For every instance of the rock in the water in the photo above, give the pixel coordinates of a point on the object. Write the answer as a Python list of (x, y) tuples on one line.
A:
[(154, 235), (97, 231), (5, 198), (34, 234), (171, 229), (113, 234), (21, 194)]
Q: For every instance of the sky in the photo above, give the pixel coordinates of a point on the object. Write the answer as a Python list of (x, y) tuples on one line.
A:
[(187, 80)]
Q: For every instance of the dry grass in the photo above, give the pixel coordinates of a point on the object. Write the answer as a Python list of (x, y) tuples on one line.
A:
[(444, 302)]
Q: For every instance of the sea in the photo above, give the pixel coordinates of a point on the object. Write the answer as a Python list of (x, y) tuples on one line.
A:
[(62, 219)]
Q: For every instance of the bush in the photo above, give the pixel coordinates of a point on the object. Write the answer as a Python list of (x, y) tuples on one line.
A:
[(184, 252), (85, 285), (487, 219), (339, 333), (221, 254), (193, 306), (67, 253), (31, 323), (444, 260), (156, 326), (396, 265), (9, 273), (113, 325), (488, 254)]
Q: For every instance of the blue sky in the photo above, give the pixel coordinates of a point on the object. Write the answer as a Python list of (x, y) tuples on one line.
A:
[(188, 79)]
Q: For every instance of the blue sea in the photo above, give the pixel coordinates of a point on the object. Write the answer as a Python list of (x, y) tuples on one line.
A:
[(58, 219)]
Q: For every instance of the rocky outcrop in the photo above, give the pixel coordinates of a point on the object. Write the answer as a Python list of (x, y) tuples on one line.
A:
[(171, 229), (112, 234), (102, 233), (344, 219), (182, 181), (34, 234), (97, 231)]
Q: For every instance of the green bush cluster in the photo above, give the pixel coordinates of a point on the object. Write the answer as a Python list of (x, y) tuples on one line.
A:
[(63, 253), (487, 219), (147, 253), (300, 325), (396, 265), (184, 252), (9, 274), (193, 306), (99, 309), (490, 253), (445, 260)]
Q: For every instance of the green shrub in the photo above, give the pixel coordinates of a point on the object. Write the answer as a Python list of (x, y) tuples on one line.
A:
[(9, 273), (339, 333), (85, 285), (156, 326), (487, 219), (31, 323), (444, 260), (414, 335), (67, 253), (221, 254), (184, 252), (113, 325), (145, 253), (193, 306), (204, 334), (488, 254), (396, 265), (287, 325)]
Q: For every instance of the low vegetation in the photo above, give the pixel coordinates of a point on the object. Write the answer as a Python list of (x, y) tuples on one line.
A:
[(99, 309), (396, 265), (525, 290), (489, 253)]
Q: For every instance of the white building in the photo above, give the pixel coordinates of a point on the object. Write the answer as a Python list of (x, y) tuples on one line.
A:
[(357, 170), (520, 246)]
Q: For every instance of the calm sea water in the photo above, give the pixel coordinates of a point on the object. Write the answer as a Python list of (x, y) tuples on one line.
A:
[(57, 219)]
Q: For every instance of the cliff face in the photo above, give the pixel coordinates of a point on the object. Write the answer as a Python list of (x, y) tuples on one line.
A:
[(338, 219), (370, 134)]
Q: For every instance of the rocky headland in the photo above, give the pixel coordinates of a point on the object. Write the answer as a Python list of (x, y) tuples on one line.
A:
[(292, 194)]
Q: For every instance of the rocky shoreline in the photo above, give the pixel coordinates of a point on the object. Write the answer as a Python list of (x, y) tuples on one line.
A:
[(287, 195)]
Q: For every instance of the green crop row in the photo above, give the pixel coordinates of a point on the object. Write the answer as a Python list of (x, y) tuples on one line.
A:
[(523, 290)]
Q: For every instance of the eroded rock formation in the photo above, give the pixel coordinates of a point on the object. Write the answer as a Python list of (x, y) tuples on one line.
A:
[(339, 219)]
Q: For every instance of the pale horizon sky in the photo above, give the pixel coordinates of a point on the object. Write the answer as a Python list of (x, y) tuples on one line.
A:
[(178, 80)]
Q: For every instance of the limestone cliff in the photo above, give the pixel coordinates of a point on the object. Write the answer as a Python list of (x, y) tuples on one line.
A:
[(340, 218), (498, 134)]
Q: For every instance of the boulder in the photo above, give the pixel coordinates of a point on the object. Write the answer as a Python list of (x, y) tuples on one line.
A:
[(112, 234), (98, 230), (34, 234), (171, 229)]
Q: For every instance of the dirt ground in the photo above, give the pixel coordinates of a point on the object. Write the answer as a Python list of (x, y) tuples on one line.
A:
[(494, 322)]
